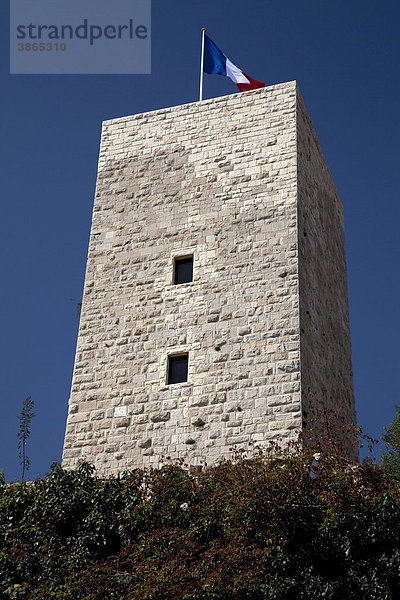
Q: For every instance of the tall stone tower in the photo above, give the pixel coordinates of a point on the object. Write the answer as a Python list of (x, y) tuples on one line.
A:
[(215, 296)]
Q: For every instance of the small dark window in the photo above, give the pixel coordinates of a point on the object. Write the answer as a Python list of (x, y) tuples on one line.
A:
[(183, 270), (178, 368)]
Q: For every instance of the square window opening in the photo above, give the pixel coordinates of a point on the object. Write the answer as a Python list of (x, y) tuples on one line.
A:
[(177, 368), (183, 270)]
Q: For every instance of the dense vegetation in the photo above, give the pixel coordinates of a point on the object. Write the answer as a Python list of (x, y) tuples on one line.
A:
[(271, 527), (391, 458)]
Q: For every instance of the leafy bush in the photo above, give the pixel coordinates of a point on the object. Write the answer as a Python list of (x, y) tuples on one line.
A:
[(274, 526), (391, 458)]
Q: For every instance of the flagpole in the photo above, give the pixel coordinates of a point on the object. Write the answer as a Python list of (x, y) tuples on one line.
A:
[(203, 32)]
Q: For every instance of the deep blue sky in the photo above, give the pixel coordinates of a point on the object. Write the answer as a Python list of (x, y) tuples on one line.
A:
[(345, 57)]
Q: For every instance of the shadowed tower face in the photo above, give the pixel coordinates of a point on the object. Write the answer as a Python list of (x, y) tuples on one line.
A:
[(215, 296)]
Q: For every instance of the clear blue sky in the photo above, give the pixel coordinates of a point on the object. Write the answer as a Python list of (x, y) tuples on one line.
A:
[(345, 57)]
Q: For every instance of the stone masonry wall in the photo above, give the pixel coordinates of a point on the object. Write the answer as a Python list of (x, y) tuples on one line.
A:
[(215, 179), (326, 366), (240, 183)]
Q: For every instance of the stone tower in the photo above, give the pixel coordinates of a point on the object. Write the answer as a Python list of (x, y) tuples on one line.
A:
[(215, 295)]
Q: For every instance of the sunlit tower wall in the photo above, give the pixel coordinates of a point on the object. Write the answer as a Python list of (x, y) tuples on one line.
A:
[(215, 298)]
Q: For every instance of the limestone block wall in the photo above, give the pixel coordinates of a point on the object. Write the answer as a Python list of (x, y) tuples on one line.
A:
[(218, 180), (326, 365)]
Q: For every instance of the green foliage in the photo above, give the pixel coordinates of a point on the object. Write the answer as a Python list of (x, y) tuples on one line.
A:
[(272, 526), (25, 419), (391, 458)]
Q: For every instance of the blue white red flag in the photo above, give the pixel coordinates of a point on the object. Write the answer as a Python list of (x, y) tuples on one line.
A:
[(217, 63)]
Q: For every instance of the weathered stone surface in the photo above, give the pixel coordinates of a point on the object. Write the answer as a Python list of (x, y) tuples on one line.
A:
[(122, 422), (145, 444), (240, 183), (161, 417)]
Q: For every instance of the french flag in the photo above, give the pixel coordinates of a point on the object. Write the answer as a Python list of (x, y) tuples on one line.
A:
[(216, 63)]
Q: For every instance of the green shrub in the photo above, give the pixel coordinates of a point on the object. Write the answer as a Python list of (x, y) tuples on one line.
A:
[(274, 526)]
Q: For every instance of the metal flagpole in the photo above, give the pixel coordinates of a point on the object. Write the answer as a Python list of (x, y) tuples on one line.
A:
[(203, 32)]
